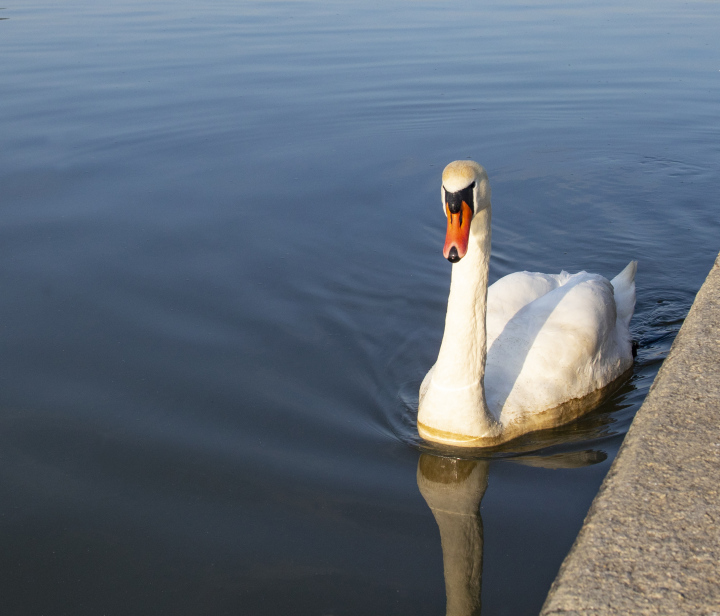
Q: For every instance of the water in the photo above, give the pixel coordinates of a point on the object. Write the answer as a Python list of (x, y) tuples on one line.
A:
[(222, 282)]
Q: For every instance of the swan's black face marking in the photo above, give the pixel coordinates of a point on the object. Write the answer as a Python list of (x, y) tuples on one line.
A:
[(454, 200)]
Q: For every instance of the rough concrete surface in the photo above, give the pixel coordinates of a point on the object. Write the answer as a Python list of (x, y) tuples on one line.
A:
[(651, 541)]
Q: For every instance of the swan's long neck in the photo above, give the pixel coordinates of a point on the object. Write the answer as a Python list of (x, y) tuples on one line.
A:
[(461, 361), (454, 401)]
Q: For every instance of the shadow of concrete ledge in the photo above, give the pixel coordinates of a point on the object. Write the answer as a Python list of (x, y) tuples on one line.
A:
[(651, 541)]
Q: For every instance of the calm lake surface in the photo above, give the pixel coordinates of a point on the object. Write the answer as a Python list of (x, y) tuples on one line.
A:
[(222, 283)]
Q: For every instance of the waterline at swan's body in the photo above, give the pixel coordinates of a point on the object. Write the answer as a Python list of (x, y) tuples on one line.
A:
[(549, 418)]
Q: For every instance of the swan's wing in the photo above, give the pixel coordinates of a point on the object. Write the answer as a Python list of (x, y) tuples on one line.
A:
[(563, 345), (510, 294)]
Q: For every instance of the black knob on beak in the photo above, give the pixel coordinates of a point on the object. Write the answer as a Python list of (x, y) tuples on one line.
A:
[(453, 255)]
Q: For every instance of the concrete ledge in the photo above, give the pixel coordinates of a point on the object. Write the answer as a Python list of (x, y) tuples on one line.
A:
[(651, 541)]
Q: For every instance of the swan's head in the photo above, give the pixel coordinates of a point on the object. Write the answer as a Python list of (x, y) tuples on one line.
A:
[(465, 193)]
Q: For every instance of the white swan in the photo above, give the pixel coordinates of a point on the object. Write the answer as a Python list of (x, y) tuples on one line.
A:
[(533, 351)]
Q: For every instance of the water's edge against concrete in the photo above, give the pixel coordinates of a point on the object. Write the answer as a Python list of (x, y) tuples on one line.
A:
[(650, 543)]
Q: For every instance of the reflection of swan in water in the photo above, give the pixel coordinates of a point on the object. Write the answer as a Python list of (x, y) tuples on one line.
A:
[(530, 352), (453, 490)]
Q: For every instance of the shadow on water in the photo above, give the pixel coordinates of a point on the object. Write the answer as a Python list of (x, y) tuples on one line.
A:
[(454, 489)]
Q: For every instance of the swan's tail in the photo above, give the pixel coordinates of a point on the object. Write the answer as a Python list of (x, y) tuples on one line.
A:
[(624, 285)]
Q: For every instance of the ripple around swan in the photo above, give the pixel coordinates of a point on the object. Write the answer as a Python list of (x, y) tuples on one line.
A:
[(654, 329)]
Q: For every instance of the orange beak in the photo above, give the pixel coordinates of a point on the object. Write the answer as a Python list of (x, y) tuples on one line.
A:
[(458, 232)]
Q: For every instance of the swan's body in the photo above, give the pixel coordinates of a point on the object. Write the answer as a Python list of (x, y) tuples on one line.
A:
[(532, 351)]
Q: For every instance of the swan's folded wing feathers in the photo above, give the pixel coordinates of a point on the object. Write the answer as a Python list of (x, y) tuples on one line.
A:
[(558, 347), (507, 296)]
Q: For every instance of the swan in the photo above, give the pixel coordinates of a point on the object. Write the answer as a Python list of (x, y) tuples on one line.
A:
[(530, 352)]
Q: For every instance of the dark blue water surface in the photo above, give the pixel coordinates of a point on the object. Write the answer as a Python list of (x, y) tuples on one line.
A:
[(222, 282)]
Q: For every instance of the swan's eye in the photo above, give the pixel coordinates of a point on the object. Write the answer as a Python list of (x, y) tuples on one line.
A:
[(454, 200)]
